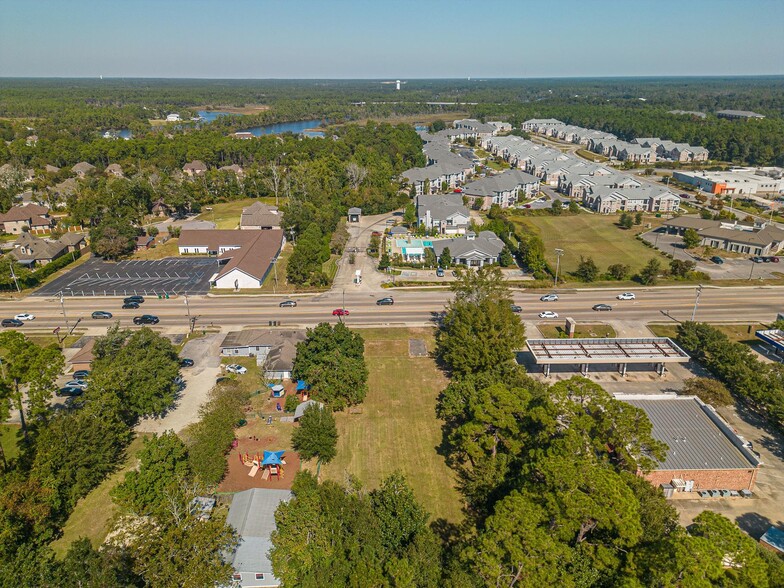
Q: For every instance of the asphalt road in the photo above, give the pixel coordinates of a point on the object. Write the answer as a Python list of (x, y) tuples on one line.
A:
[(410, 308)]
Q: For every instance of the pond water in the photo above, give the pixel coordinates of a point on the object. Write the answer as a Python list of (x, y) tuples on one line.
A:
[(306, 127)]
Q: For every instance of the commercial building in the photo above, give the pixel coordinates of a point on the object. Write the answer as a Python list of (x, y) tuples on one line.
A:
[(758, 239), (252, 514), (260, 216), (774, 338), (739, 114), (736, 181), (471, 250), (704, 454)]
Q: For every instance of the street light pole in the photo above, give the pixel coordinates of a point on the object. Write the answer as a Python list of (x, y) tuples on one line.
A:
[(62, 305), (696, 303), (752, 269), (188, 310), (558, 254)]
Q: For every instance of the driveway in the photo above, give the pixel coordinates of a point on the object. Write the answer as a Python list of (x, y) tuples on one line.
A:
[(199, 380), (358, 242)]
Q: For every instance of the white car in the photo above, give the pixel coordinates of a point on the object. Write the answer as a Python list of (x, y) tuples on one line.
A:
[(236, 369), (25, 316), (548, 314), (626, 296), (549, 298)]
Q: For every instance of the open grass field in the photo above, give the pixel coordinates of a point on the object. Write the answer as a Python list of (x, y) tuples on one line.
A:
[(9, 440), (396, 427), (160, 251), (589, 235), (742, 332), (93, 514), (584, 331)]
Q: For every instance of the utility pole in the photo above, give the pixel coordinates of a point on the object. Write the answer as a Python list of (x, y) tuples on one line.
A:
[(752, 269), (696, 303), (188, 310), (558, 254), (62, 306), (13, 275)]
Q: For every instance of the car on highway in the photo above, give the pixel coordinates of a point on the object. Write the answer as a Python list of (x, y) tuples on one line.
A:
[(135, 298), (516, 308), (11, 323), (288, 304), (131, 305), (235, 368), (76, 384), (185, 362), (602, 307), (102, 314), (548, 314), (549, 298), (146, 319), (626, 296), (25, 316), (81, 374), (70, 391), (386, 301), (716, 259), (340, 312), (440, 272)]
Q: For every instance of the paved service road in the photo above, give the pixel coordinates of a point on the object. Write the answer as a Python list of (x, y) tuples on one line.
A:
[(410, 308)]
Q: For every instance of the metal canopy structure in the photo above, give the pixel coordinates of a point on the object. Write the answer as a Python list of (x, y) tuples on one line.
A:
[(773, 337), (585, 352)]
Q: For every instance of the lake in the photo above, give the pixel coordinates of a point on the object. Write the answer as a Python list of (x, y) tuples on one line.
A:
[(211, 115), (296, 127)]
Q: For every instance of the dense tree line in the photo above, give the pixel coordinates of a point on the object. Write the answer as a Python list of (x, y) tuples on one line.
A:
[(758, 384)]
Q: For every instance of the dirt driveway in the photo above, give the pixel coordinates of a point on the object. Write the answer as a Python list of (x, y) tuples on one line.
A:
[(199, 380)]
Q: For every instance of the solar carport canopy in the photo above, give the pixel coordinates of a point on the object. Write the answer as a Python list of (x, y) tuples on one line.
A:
[(598, 351)]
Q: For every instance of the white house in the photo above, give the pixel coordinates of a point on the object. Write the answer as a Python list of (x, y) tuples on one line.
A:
[(173, 117)]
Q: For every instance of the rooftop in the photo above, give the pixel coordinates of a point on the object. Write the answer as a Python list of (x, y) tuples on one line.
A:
[(597, 351), (697, 437)]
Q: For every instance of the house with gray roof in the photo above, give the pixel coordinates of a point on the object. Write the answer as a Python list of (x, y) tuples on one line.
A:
[(535, 124), (274, 349), (434, 177), (703, 454), (32, 251), (471, 250), (82, 169), (443, 213), (252, 514), (195, 168), (608, 200), (502, 189), (739, 114), (260, 216)]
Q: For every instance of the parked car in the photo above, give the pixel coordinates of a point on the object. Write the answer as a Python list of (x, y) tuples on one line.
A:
[(135, 298), (102, 314), (548, 314), (386, 301), (131, 305), (146, 319), (458, 190), (340, 312), (758, 259), (527, 206), (516, 308), (716, 259), (774, 259), (11, 323), (81, 374), (76, 384), (235, 368), (626, 296), (185, 362), (288, 304), (602, 307), (549, 298), (440, 272), (70, 391), (25, 316)]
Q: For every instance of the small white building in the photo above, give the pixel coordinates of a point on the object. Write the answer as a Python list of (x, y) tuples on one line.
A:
[(173, 117)]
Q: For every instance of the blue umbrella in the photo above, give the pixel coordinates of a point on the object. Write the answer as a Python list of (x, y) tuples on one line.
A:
[(273, 458)]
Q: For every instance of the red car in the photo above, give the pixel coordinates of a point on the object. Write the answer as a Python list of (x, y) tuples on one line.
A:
[(340, 312), (458, 190)]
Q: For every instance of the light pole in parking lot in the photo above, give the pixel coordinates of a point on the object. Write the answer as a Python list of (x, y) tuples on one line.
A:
[(558, 254)]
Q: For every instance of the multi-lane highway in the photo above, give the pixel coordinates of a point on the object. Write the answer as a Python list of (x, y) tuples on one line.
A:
[(410, 308)]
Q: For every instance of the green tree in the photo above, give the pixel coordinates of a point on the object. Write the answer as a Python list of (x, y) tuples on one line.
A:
[(587, 270), (650, 273), (163, 467), (430, 257), (574, 208), (410, 215), (638, 217), (317, 436), (445, 261), (400, 517), (384, 262), (113, 237), (626, 221), (691, 239), (555, 208), (84, 566), (506, 259), (618, 271), (680, 268)]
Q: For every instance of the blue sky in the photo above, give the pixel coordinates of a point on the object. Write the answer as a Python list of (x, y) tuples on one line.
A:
[(389, 38)]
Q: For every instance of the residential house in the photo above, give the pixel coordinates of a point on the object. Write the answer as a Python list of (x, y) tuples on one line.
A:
[(252, 515), (444, 213), (274, 350), (144, 242), (51, 169), (234, 168), (260, 216), (246, 257), (173, 117), (160, 208), (195, 168), (471, 250), (502, 189), (114, 169), (33, 251), (83, 169), (26, 217), (83, 359), (74, 242), (757, 239), (244, 135)]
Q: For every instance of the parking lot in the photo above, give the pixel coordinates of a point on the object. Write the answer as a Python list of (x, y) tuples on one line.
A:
[(97, 277)]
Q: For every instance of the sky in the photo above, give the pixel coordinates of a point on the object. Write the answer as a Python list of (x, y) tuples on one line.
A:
[(394, 39)]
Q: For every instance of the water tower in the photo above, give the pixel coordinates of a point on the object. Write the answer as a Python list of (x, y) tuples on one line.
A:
[(397, 84)]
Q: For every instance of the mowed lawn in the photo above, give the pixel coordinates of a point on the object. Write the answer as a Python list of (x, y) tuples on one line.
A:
[(589, 235), (396, 427), (226, 215)]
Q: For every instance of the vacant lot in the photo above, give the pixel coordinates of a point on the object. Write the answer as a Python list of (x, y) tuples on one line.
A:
[(589, 235), (226, 215), (396, 427), (9, 440)]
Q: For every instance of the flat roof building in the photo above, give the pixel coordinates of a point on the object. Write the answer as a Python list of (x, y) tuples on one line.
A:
[(738, 114), (703, 454)]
